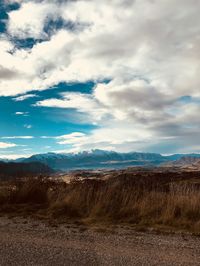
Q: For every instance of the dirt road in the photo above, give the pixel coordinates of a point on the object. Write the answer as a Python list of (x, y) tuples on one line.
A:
[(28, 242)]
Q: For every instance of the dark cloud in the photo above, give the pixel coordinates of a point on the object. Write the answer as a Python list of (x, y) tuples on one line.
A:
[(6, 73)]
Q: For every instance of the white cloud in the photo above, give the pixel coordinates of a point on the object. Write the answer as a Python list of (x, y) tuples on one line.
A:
[(47, 137), (28, 126), (21, 113), (148, 49), (18, 137), (155, 48), (29, 20), (70, 139), (5, 145), (84, 103), (24, 97), (115, 137), (14, 156), (132, 122)]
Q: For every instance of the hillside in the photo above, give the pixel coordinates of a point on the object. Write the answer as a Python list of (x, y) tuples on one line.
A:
[(186, 162), (13, 169)]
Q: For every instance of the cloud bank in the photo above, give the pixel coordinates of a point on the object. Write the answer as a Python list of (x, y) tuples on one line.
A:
[(5, 145), (147, 51)]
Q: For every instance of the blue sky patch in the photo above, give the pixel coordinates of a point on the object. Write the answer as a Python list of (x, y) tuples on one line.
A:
[(21, 118)]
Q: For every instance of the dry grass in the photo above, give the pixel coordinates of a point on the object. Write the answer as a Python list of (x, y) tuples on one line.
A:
[(129, 199)]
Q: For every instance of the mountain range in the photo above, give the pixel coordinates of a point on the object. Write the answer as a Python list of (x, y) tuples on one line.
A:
[(102, 159)]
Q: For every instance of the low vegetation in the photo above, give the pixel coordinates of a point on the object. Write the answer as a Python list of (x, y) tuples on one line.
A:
[(142, 199)]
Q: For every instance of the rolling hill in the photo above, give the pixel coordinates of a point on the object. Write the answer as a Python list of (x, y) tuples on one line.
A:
[(14, 169)]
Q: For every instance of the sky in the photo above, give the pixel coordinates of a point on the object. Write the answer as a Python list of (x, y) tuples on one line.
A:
[(120, 75)]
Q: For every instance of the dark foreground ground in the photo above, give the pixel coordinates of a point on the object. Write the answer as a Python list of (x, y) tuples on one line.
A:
[(29, 242)]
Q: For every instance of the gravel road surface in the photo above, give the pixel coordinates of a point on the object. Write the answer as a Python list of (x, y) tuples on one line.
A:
[(30, 242)]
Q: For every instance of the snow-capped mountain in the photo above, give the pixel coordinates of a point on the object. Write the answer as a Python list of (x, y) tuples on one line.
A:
[(101, 159), (95, 159)]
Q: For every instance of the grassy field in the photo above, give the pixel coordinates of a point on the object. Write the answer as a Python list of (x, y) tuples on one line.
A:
[(145, 199)]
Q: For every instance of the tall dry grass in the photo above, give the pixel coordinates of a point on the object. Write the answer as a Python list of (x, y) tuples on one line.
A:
[(131, 199), (174, 204)]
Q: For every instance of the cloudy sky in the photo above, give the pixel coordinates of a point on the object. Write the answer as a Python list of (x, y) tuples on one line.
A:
[(118, 75)]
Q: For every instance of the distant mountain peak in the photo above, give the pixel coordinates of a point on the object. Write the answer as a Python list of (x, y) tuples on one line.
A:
[(98, 158)]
